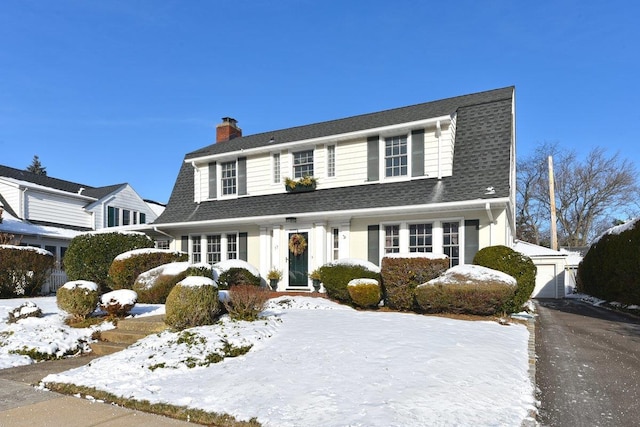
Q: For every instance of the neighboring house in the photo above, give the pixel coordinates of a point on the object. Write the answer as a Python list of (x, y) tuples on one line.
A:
[(48, 212), (555, 272), (434, 177)]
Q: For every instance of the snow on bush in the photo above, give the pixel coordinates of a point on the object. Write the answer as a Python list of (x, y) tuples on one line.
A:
[(356, 262), (78, 298), (227, 265), (28, 309), (471, 274), (194, 281), (27, 248), (364, 292), (119, 302), (145, 251), (192, 302)]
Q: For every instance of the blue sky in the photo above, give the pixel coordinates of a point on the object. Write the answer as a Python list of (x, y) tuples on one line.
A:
[(116, 91)]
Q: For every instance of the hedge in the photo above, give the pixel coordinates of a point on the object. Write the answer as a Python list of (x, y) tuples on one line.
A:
[(364, 293), (336, 276), (192, 302), (23, 270), (126, 267)]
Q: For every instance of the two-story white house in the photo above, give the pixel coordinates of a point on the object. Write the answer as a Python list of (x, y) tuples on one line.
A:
[(434, 177), (48, 212)]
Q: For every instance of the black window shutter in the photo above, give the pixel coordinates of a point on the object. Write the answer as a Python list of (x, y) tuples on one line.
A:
[(374, 244), (471, 239), (417, 152), (242, 246), (242, 176), (184, 244), (213, 185), (373, 158)]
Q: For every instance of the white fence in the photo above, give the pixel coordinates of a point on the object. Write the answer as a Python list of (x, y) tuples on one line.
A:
[(56, 280)]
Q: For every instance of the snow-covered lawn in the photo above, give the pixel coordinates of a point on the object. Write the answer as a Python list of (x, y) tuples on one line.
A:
[(316, 363)]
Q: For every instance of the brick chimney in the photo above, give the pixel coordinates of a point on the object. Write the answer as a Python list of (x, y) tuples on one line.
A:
[(227, 130)]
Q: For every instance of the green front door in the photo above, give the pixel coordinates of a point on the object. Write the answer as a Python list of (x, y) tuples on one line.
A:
[(298, 260)]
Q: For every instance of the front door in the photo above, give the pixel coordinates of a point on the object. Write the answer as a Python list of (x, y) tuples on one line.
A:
[(298, 259)]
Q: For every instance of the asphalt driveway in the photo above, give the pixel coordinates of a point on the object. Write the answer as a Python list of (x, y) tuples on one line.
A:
[(588, 367)]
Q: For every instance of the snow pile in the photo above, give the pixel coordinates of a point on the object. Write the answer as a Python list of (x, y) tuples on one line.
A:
[(82, 284), (121, 297), (134, 252), (357, 262), (342, 366), (472, 274), (27, 248), (197, 281)]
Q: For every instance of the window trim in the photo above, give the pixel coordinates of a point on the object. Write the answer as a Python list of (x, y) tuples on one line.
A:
[(276, 168), (383, 157), (331, 160), (222, 194), (293, 163)]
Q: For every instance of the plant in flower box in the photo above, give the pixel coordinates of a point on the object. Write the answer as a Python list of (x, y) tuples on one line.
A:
[(306, 183)]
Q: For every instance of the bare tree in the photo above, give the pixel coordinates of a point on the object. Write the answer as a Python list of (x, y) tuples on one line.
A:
[(590, 194)]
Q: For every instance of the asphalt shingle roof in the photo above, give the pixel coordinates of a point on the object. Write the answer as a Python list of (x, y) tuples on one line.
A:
[(482, 159)]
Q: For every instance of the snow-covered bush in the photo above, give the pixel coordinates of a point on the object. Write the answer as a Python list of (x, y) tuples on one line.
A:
[(364, 293), (235, 272), (402, 273), (23, 270), (90, 255), (245, 302), (79, 298), (611, 268), (27, 309), (127, 266), (467, 289), (118, 303), (192, 302), (336, 275), (153, 286), (515, 264)]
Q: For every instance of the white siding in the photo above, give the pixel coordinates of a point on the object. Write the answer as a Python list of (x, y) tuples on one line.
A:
[(11, 194), (58, 209), (126, 198), (439, 151)]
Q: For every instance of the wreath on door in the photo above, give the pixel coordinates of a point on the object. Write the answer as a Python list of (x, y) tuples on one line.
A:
[(297, 244)]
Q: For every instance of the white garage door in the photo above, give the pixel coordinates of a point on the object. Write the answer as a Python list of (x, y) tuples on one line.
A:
[(546, 282)]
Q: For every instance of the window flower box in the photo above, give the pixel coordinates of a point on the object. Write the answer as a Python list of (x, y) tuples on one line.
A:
[(307, 183)]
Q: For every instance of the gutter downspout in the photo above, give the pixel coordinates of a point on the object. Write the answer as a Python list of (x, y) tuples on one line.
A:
[(492, 221), (438, 134)]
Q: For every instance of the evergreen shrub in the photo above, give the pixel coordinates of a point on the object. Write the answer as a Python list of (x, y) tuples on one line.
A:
[(610, 270), (118, 303), (336, 276), (23, 270), (79, 298), (192, 302), (89, 256), (126, 267), (364, 293), (246, 302), (515, 264), (236, 272), (402, 273)]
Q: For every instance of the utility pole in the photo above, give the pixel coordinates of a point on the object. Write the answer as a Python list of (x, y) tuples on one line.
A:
[(552, 197)]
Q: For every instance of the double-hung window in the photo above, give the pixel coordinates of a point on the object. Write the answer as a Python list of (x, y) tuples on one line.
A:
[(303, 164), (214, 249), (395, 156), (229, 183), (331, 160), (451, 241), (420, 238), (391, 239), (276, 168), (232, 246), (196, 251)]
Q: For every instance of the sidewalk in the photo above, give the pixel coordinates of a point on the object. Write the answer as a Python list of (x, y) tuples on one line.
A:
[(21, 404)]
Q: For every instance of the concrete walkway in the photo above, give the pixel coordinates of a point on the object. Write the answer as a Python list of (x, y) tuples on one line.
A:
[(21, 404)]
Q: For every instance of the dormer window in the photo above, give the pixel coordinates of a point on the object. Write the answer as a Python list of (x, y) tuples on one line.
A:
[(228, 178), (303, 164), (395, 156)]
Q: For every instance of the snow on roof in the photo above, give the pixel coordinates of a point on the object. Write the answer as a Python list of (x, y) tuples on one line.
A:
[(473, 273), (13, 225), (531, 250), (27, 248)]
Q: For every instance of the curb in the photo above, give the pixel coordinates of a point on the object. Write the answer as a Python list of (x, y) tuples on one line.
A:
[(531, 420)]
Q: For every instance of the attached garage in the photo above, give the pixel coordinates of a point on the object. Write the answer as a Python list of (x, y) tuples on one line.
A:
[(551, 269)]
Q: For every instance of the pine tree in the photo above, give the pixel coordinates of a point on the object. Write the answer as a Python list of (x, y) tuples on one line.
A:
[(36, 167)]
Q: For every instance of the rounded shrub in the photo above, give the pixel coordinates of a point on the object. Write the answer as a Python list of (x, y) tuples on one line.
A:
[(236, 272), (516, 265), (246, 302), (192, 302), (118, 303), (402, 273), (23, 270), (467, 289), (127, 266), (336, 276), (89, 256), (364, 293), (154, 286), (610, 270), (79, 298)]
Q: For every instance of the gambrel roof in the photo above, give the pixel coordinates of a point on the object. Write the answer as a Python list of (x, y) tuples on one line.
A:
[(482, 158)]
